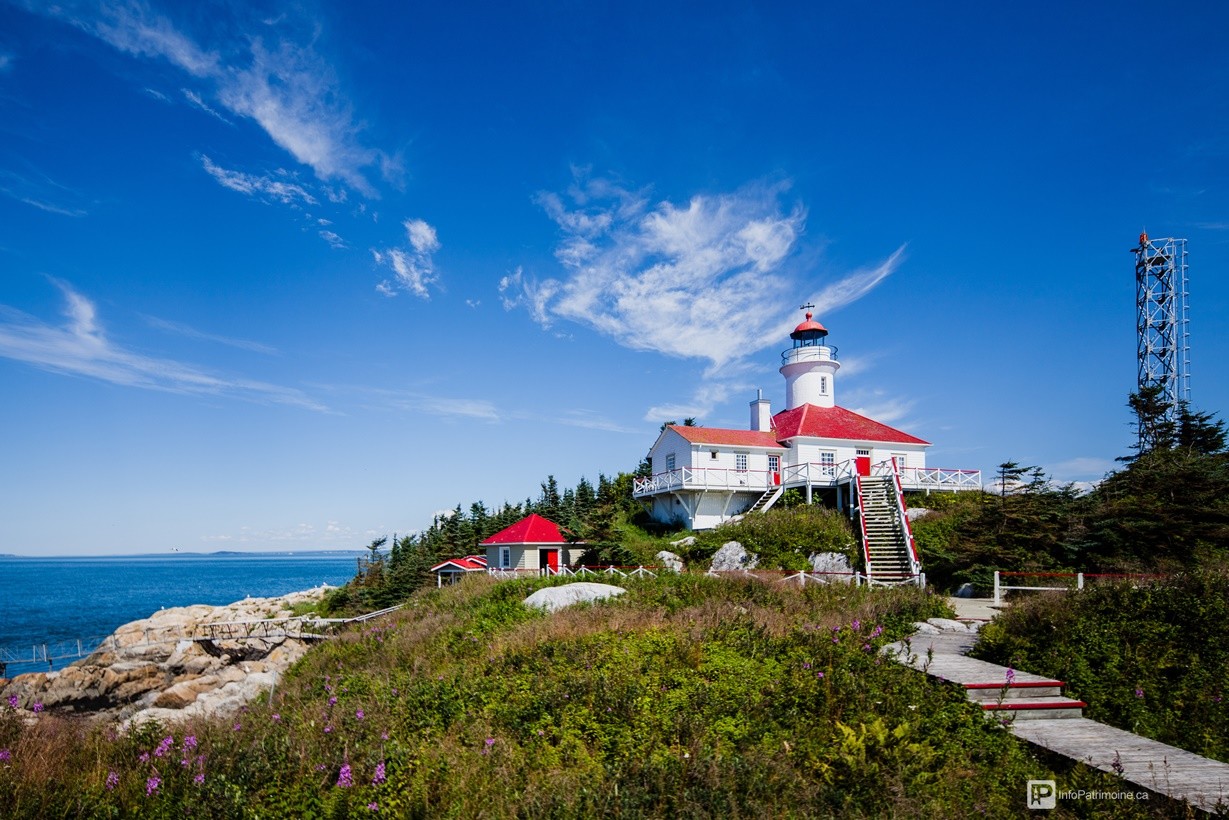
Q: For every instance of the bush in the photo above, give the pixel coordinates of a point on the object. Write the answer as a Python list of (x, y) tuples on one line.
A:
[(781, 538), (1147, 657)]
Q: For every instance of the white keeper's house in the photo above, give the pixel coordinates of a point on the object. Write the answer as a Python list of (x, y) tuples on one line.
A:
[(702, 476)]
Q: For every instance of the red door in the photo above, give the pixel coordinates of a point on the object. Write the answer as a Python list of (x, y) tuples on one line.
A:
[(552, 560), (863, 465)]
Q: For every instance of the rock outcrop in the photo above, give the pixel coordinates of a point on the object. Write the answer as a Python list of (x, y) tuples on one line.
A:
[(670, 561), (162, 668), (732, 556), (555, 598), (834, 565)]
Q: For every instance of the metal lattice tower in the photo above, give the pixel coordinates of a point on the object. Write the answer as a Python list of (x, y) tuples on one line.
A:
[(1161, 319)]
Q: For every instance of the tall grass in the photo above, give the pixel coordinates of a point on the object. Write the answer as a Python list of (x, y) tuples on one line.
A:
[(689, 696)]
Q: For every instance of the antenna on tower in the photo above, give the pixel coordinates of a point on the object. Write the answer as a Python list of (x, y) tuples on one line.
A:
[(1161, 320), (807, 306)]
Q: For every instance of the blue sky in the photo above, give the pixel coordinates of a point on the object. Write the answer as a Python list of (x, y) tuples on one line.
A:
[(290, 276)]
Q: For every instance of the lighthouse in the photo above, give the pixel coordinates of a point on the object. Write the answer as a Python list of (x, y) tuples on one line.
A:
[(810, 366)]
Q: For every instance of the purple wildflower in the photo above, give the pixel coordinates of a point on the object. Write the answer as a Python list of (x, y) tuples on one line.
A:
[(333, 701), (189, 743), (877, 631), (819, 676), (373, 806), (1011, 676), (12, 701), (328, 730), (5, 755), (855, 625), (276, 718), (866, 647), (38, 707), (379, 775), (164, 746), (152, 785), (144, 758), (238, 726), (383, 735), (112, 781), (358, 714), (186, 763), (1139, 693), (345, 778), (487, 744), (806, 665), (199, 779)]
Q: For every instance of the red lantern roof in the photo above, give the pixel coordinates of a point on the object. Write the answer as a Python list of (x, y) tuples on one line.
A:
[(809, 328)]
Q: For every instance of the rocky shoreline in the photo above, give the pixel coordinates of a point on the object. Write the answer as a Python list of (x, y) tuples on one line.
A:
[(149, 670)]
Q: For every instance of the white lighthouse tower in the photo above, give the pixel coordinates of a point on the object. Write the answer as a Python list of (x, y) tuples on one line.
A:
[(810, 366)]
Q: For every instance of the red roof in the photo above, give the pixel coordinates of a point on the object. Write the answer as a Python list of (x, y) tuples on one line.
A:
[(533, 529), (720, 435), (810, 324), (470, 563), (836, 422)]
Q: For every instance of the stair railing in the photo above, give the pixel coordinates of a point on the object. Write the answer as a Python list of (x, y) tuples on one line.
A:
[(866, 544)]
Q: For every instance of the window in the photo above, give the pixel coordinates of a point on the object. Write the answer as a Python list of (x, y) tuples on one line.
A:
[(823, 385), (827, 463), (864, 453), (712, 454), (740, 462), (899, 458), (505, 557), (670, 463), (774, 464)]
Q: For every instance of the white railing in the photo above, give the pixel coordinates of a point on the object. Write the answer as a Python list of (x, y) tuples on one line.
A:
[(814, 473), (939, 478), (705, 478)]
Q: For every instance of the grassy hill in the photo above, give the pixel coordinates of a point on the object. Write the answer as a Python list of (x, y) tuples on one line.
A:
[(689, 696)]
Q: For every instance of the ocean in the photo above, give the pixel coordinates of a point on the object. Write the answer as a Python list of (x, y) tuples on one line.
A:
[(57, 601)]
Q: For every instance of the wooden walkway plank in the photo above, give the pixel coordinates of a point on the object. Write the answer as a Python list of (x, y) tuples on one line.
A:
[(1164, 769)]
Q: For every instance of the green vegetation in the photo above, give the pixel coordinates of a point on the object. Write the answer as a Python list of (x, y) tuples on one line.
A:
[(1148, 657), (1166, 510), (688, 696), (781, 538)]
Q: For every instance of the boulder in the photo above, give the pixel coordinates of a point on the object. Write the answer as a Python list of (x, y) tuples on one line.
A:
[(553, 599), (948, 625), (684, 542), (670, 561), (832, 562), (732, 556), (915, 513), (965, 591)]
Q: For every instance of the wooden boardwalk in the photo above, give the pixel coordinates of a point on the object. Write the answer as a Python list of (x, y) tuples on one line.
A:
[(1163, 769)]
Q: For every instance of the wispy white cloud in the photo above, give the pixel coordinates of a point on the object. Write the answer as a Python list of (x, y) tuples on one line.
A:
[(333, 239), (271, 75), (190, 332), (6, 61), (195, 99), (81, 347), (591, 420), (156, 94), (413, 267), (40, 191), (707, 279), (288, 193)]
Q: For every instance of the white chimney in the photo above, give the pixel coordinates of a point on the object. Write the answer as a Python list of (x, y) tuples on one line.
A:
[(761, 413)]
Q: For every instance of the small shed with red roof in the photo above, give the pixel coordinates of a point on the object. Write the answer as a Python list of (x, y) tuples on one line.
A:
[(456, 568), (533, 543)]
